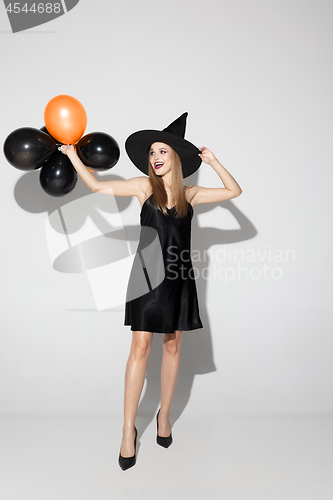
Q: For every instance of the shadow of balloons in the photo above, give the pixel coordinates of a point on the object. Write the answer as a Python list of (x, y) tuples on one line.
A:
[(31, 198)]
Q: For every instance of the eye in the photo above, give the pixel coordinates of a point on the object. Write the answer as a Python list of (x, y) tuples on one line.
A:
[(163, 151), (151, 153)]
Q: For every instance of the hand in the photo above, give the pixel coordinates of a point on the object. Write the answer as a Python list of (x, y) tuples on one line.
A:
[(67, 148), (206, 155)]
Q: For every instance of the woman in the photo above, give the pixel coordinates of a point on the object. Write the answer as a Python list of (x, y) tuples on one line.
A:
[(167, 301)]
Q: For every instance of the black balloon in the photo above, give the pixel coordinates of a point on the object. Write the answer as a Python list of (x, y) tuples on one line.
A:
[(98, 150), (58, 177), (28, 148), (44, 129)]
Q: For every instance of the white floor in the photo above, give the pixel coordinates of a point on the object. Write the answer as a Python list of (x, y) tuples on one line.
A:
[(236, 457)]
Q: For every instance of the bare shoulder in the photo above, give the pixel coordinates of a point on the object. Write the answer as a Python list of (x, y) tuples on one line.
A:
[(190, 192), (143, 181), (145, 189)]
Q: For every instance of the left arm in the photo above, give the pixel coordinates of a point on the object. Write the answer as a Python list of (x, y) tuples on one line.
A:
[(232, 189)]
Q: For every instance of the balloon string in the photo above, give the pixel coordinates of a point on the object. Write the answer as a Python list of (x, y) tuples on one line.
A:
[(62, 220)]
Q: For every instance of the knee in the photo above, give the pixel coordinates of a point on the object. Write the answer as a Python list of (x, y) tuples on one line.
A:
[(141, 349), (172, 347)]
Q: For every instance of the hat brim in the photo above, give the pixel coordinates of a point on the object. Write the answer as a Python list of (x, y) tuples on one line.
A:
[(138, 144)]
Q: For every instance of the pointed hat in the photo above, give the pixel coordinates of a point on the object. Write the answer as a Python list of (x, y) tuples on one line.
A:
[(138, 144)]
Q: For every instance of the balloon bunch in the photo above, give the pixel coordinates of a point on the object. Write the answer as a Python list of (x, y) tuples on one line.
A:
[(65, 121)]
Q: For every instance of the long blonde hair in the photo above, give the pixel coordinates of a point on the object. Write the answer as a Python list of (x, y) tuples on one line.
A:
[(160, 196)]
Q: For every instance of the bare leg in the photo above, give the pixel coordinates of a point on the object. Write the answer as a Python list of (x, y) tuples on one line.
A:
[(134, 380), (169, 373)]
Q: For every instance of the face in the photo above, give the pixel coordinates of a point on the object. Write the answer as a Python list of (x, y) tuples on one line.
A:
[(161, 157)]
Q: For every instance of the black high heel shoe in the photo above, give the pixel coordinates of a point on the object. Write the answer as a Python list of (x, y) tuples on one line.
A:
[(127, 462), (163, 441)]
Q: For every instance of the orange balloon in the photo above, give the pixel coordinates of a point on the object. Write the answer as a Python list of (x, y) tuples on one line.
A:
[(65, 119)]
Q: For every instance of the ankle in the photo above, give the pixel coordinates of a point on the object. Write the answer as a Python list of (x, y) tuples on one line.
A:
[(163, 414), (128, 429)]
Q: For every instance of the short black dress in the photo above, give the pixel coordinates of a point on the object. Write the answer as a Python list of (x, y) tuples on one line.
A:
[(161, 294)]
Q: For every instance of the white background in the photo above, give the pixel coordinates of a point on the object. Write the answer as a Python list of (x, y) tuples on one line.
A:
[(256, 79)]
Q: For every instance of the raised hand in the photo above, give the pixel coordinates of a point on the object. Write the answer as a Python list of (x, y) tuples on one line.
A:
[(206, 155), (67, 148)]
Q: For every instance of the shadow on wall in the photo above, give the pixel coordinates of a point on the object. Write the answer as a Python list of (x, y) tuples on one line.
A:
[(196, 353)]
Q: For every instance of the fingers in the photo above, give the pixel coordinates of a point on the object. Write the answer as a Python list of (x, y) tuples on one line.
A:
[(64, 147)]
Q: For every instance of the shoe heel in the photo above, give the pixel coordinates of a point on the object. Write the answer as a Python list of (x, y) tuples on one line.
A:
[(163, 441), (127, 462)]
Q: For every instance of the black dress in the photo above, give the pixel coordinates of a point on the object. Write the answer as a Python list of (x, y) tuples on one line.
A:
[(161, 294)]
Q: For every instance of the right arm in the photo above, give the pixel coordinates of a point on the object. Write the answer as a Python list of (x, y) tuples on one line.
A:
[(137, 186)]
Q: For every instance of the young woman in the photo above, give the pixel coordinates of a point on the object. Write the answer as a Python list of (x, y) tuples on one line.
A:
[(160, 299)]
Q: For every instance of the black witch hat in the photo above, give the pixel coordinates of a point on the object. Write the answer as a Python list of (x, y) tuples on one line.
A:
[(138, 144)]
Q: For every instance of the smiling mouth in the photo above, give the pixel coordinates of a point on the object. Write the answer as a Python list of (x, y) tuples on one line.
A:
[(158, 164)]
